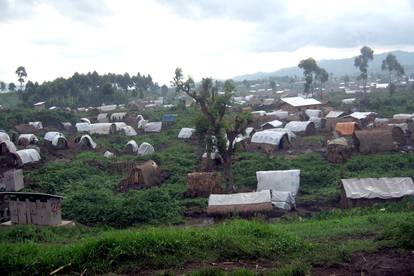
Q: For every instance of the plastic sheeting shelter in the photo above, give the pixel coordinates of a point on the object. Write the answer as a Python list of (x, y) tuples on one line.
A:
[(145, 149), (6, 147), (102, 118), (241, 203), (301, 127), (36, 125), (284, 185), (280, 114), (27, 139), (274, 138), (25, 156), (131, 147), (107, 108), (117, 117), (153, 127), (4, 137), (346, 128), (334, 114), (85, 120), (57, 139), (83, 127), (379, 139), (272, 124), (186, 133), (363, 191), (102, 128), (313, 113), (129, 131), (290, 134), (85, 141)]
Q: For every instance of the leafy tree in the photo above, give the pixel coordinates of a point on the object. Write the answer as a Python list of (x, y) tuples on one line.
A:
[(323, 77), (2, 85), (361, 62), (164, 90), (346, 80), (273, 85), (310, 68), (21, 74), (12, 86), (213, 107), (391, 64)]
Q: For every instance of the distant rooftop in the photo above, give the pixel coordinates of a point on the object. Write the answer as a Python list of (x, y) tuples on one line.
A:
[(299, 101)]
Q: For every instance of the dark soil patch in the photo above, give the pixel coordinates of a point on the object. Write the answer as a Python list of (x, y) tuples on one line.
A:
[(384, 262)]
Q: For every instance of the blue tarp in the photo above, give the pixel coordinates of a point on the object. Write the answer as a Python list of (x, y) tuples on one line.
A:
[(169, 117)]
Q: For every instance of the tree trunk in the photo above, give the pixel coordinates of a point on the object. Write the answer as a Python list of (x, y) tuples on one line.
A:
[(228, 173)]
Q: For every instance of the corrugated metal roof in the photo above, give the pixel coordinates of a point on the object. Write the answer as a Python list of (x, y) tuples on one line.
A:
[(299, 101)]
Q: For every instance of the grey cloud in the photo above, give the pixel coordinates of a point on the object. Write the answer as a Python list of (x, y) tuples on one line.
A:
[(50, 42), (281, 27)]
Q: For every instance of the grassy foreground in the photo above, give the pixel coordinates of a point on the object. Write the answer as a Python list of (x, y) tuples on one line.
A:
[(301, 244)]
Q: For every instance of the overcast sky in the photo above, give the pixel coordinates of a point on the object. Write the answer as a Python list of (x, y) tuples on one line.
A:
[(215, 38)]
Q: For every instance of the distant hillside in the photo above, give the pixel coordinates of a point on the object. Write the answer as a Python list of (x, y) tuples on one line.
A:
[(338, 67)]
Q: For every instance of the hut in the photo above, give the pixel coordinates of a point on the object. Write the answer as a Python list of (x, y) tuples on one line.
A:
[(12, 180), (119, 126), (34, 208), (40, 106), (241, 203), (379, 139), (316, 113), (283, 186), (83, 127), (301, 127), (332, 118), (102, 118), (131, 147), (272, 124), (85, 142), (270, 141), (186, 133), (363, 118), (102, 128), (67, 126), (85, 120), (203, 184), (279, 114), (379, 122), (4, 137), (145, 149), (338, 150), (23, 157), (144, 175), (358, 192), (6, 147), (36, 125), (320, 123), (56, 140), (403, 117), (346, 128), (27, 139), (109, 155), (118, 117), (298, 104), (129, 131), (153, 127)]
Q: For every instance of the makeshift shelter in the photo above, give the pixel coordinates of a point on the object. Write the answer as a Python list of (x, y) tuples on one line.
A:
[(141, 124), (270, 141), (119, 126), (6, 147), (272, 124), (247, 135), (283, 184), (153, 127), (23, 157), (319, 122), (131, 147), (346, 128), (357, 192), (102, 128), (241, 203), (290, 134), (129, 131), (107, 108), (40, 106), (363, 118), (102, 118), (56, 140), (186, 133), (338, 150), (334, 114), (27, 139), (295, 104), (83, 127), (379, 139), (313, 113), (85, 142), (67, 126), (403, 116), (145, 149), (85, 120), (34, 208), (109, 155), (301, 127), (203, 184), (144, 175), (279, 114), (36, 125), (12, 180), (118, 117), (378, 122), (4, 137)]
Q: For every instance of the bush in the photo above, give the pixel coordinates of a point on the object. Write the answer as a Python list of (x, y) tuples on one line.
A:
[(401, 234)]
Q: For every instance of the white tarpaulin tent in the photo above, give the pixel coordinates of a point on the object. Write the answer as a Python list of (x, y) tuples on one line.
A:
[(85, 120), (248, 133), (89, 139), (100, 128), (31, 138), (107, 108), (133, 145), (239, 203), (83, 127), (142, 123), (313, 113), (4, 137), (290, 133), (28, 156), (273, 124), (403, 116), (129, 131), (145, 149), (280, 114), (361, 115), (268, 137), (119, 125), (53, 137), (102, 118), (384, 188), (317, 121), (153, 127), (297, 126), (284, 185), (36, 125), (7, 146), (109, 155), (334, 114), (116, 117), (259, 113), (186, 133)]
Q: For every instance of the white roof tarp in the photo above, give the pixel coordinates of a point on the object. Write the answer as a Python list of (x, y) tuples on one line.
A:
[(313, 113), (334, 114), (386, 187), (11, 147), (142, 123), (280, 180), (317, 121), (89, 138), (339, 141), (268, 137), (53, 137), (259, 113), (100, 128), (36, 125), (118, 116), (134, 145), (28, 155), (145, 149), (403, 116), (106, 108), (274, 123), (381, 121), (361, 115), (282, 115), (140, 117), (153, 127), (349, 101), (297, 126), (129, 131), (85, 120), (186, 133), (245, 136), (29, 137), (299, 101), (109, 155), (102, 118), (119, 125), (239, 199), (83, 127), (4, 137), (283, 200), (291, 134)]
